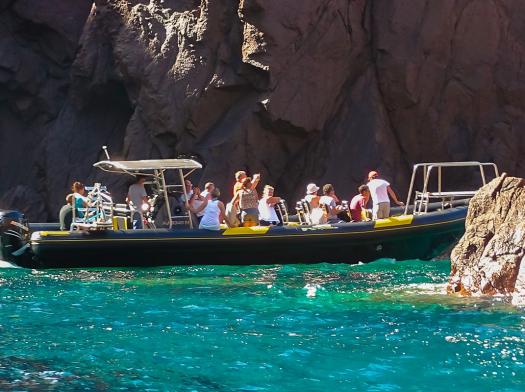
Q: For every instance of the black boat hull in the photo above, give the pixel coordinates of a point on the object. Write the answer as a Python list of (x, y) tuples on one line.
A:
[(406, 237)]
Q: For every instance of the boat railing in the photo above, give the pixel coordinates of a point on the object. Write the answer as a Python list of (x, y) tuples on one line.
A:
[(98, 215), (422, 198)]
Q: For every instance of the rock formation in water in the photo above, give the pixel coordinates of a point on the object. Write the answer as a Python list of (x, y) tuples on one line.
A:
[(299, 90), (490, 258)]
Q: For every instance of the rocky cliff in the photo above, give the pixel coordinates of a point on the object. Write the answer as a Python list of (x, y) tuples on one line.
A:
[(490, 257), (299, 90)]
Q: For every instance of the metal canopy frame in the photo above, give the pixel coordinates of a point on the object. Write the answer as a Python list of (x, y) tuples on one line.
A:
[(427, 169), (155, 168)]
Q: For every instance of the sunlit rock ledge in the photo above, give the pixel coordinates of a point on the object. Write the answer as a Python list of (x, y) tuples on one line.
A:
[(488, 260)]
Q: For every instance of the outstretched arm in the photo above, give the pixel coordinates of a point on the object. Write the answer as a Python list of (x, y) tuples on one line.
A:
[(235, 197), (255, 180), (199, 208), (394, 196), (273, 200)]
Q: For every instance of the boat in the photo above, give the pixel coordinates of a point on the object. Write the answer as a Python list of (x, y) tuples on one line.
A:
[(431, 221)]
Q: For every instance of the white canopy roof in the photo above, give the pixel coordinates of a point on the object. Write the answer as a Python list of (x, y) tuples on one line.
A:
[(151, 164)]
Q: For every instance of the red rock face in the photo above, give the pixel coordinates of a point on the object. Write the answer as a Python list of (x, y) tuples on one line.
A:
[(301, 91), (490, 258)]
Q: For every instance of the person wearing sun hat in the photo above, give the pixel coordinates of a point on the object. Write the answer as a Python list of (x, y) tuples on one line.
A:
[(317, 214), (380, 191), (311, 195)]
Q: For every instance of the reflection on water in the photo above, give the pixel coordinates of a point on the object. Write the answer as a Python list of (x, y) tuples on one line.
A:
[(382, 326)]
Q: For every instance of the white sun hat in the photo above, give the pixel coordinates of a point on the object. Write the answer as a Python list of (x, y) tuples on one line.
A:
[(311, 188)]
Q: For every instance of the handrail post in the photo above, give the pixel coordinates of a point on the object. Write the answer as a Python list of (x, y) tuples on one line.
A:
[(414, 170), (188, 212), (482, 172), (439, 179), (160, 175)]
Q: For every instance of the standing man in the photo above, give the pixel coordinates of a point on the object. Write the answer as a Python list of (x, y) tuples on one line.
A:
[(136, 198), (379, 191)]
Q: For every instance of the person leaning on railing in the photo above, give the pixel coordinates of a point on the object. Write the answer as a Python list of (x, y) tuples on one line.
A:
[(380, 191)]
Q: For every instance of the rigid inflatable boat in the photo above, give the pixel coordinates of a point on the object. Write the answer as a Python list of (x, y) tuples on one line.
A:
[(430, 223)]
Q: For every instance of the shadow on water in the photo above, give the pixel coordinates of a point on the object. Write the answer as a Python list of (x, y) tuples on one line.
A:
[(25, 374)]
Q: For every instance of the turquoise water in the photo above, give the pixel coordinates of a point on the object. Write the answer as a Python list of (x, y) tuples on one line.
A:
[(384, 326)]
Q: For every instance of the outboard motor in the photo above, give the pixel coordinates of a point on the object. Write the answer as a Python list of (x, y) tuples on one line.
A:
[(14, 235)]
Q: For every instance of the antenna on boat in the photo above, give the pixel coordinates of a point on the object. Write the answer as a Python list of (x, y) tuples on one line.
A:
[(105, 148)]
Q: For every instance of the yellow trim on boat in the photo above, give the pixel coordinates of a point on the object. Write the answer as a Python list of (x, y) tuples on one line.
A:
[(394, 221), (306, 234), (246, 230), (54, 233)]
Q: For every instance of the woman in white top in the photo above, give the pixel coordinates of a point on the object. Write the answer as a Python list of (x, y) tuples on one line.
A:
[(317, 215), (311, 195), (267, 214), (214, 212)]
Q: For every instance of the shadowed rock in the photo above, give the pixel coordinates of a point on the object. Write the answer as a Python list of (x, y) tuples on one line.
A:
[(490, 257)]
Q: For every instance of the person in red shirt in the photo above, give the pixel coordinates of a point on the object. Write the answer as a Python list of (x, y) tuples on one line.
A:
[(358, 203)]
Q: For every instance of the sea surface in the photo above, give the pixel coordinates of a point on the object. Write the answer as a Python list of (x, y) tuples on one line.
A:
[(383, 326)]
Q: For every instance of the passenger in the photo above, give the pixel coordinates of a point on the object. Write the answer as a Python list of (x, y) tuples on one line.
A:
[(189, 190), (267, 214), (208, 187), (330, 201), (214, 211), (196, 200), (358, 203), (240, 176), (137, 199), (317, 214), (379, 191), (311, 195), (66, 213), (80, 199), (248, 201)]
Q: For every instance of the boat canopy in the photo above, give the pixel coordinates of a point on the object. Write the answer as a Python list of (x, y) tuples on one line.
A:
[(155, 169), (149, 164)]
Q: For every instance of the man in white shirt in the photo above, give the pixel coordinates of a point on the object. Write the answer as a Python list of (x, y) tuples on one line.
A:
[(380, 191), (136, 198)]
